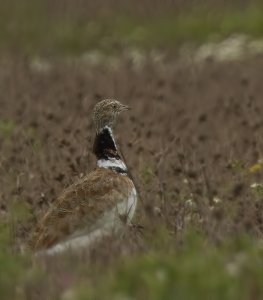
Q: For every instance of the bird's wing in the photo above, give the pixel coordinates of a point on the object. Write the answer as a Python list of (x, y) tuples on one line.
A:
[(80, 205)]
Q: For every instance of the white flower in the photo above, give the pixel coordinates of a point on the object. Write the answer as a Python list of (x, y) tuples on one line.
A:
[(217, 200), (256, 185)]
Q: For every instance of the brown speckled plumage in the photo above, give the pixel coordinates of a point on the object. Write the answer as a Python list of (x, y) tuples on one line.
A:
[(81, 206)]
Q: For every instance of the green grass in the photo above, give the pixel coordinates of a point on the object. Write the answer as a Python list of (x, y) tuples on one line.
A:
[(30, 27), (7, 128), (197, 270), (194, 269)]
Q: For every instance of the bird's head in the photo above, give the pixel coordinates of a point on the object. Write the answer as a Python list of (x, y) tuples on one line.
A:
[(106, 111)]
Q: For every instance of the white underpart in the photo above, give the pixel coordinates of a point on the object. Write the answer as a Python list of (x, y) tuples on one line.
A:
[(111, 162), (108, 224), (127, 208)]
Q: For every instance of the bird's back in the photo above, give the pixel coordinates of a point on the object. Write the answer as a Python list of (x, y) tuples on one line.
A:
[(85, 205)]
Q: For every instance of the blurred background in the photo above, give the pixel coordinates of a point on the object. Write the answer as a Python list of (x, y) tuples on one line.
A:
[(192, 73), (74, 28)]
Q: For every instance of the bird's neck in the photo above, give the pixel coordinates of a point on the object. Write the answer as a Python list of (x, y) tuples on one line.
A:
[(106, 151)]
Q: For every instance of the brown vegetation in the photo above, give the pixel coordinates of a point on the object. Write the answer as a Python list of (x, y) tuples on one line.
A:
[(193, 135)]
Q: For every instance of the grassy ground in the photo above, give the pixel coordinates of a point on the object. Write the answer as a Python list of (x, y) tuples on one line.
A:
[(193, 142), (49, 27)]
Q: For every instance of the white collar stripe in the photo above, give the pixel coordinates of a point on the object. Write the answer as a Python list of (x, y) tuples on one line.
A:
[(112, 163)]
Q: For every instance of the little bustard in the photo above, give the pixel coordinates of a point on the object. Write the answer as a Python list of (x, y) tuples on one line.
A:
[(101, 202)]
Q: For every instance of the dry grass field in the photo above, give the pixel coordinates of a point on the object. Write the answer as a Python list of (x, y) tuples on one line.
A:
[(193, 142)]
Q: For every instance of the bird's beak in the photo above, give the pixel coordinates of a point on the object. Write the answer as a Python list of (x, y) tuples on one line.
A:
[(125, 107)]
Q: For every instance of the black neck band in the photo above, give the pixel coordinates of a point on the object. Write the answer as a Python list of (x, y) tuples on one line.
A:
[(104, 146), (118, 170)]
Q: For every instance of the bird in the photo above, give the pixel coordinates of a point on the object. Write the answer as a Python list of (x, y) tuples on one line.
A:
[(100, 203)]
